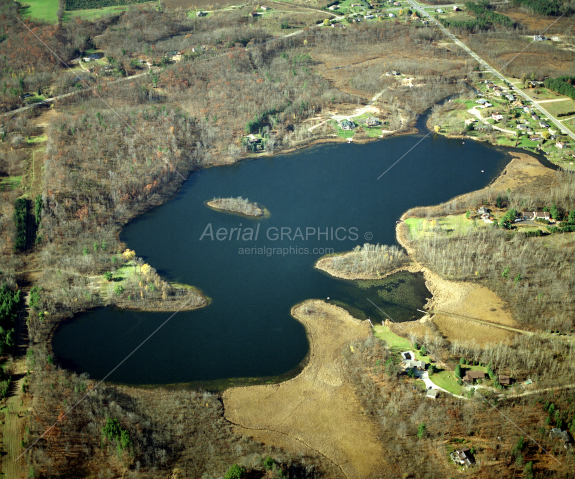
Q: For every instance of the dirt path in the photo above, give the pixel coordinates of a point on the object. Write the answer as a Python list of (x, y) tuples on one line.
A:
[(14, 429), (490, 323), (318, 410)]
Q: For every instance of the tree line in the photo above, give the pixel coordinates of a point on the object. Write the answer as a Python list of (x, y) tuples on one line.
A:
[(544, 7), (562, 85)]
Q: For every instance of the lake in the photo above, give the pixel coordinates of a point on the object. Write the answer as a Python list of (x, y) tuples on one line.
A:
[(321, 199)]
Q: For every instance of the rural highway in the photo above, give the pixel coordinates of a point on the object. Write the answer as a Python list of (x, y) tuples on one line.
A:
[(492, 70)]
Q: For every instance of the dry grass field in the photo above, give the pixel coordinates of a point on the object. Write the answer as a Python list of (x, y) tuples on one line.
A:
[(317, 410)]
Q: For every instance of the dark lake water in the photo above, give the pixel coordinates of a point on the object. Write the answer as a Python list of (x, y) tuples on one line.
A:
[(247, 331)]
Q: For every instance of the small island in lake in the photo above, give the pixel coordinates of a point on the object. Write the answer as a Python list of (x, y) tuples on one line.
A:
[(239, 205)]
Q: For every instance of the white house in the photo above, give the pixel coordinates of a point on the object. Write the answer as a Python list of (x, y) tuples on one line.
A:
[(497, 117), (560, 144), (391, 15)]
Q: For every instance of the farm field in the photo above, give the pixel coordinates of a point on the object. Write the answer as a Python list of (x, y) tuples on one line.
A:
[(46, 11)]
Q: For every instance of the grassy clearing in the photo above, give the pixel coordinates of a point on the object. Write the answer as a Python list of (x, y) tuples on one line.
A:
[(451, 224), (34, 140), (557, 107), (392, 340), (92, 14), (44, 10), (10, 182)]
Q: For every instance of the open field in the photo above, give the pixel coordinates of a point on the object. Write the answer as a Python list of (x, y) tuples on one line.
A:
[(92, 14), (557, 107), (44, 10), (317, 409), (456, 329), (537, 23)]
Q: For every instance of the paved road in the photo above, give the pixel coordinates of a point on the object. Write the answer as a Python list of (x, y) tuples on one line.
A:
[(492, 70)]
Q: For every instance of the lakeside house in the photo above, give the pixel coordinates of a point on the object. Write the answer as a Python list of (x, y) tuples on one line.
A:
[(372, 121), (534, 138), (347, 125), (471, 376)]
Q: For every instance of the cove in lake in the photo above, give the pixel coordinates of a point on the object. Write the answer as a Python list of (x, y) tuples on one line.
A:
[(247, 331)]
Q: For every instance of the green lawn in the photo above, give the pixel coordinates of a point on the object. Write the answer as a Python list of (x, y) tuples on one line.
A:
[(446, 380), (45, 10), (392, 339), (450, 224)]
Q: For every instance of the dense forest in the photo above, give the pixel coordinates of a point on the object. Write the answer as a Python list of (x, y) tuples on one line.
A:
[(562, 85), (544, 7)]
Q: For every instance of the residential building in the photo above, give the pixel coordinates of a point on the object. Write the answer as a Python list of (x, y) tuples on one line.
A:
[(347, 125), (541, 215), (463, 456), (410, 363), (543, 124), (504, 380), (471, 376), (483, 211), (560, 144)]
